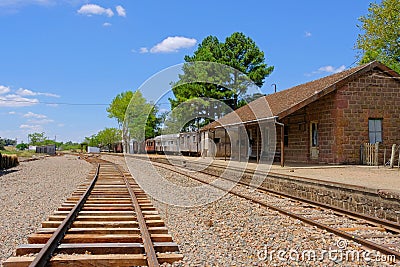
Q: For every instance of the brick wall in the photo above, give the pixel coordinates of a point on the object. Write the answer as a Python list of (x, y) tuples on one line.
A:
[(374, 95), (343, 120)]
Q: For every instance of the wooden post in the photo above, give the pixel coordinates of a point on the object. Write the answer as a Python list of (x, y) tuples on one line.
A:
[(215, 148), (392, 156), (398, 161), (384, 157), (282, 146), (376, 153), (239, 137), (225, 143), (257, 142)]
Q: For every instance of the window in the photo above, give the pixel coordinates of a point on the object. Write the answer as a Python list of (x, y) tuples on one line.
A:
[(375, 130), (286, 136), (194, 138)]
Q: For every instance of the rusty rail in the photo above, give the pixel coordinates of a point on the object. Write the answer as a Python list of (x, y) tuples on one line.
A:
[(338, 232), (151, 255)]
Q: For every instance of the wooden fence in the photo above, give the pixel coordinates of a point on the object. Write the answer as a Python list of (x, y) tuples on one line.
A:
[(371, 154)]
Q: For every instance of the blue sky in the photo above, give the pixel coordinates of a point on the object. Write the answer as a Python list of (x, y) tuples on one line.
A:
[(62, 62)]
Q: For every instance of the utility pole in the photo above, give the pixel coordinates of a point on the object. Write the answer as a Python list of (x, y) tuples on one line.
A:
[(274, 85)]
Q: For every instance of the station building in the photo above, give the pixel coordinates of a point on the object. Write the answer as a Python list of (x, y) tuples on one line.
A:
[(323, 121)]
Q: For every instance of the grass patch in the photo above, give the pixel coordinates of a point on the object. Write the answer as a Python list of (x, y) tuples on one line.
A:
[(23, 153)]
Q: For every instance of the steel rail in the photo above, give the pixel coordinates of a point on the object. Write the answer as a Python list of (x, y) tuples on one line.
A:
[(389, 225), (151, 255), (338, 232), (44, 256)]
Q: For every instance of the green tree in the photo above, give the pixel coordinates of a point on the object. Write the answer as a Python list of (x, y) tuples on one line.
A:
[(37, 139), (380, 37), (109, 136), (22, 146), (141, 120), (117, 110), (229, 86), (118, 106), (92, 140)]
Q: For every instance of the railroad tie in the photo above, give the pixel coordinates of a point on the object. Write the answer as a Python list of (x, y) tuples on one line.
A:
[(107, 221)]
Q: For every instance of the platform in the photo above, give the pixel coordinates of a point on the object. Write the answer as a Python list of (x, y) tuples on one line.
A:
[(359, 176)]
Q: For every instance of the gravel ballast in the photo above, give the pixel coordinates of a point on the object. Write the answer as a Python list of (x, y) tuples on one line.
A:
[(236, 232), (31, 192)]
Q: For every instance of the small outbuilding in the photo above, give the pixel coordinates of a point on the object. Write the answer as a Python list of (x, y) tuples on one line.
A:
[(324, 121), (47, 149)]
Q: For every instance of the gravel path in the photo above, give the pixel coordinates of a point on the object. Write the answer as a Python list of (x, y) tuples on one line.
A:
[(30, 192), (235, 232)]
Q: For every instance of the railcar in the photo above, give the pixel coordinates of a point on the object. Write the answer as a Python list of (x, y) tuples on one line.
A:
[(167, 144), (150, 146), (187, 144)]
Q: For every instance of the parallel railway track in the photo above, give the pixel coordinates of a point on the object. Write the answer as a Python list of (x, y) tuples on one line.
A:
[(374, 233), (108, 221)]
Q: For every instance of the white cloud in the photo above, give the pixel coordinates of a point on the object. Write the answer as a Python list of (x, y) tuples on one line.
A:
[(61, 125), (36, 128), (4, 89), (107, 24), (26, 92), (331, 69), (143, 50), (308, 34), (12, 112), (34, 115), (40, 121), (92, 9), (327, 69), (173, 44), (13, 100), (121, 11)]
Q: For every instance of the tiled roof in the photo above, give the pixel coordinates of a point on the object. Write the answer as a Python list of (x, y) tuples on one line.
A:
[(290, 100)]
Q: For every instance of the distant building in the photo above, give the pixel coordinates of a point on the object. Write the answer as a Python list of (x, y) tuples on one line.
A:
[(91, 149), (48, 149), (323, 121)]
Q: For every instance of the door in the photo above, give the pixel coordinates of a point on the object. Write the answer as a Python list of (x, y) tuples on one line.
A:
[(314, 148)]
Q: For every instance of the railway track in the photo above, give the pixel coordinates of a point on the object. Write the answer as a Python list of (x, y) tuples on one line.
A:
[(108, 221), (374, 233)]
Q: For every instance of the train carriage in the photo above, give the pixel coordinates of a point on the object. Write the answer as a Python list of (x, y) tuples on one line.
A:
[(183, 143)]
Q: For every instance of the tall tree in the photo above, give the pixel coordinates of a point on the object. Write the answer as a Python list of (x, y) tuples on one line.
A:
[(228, 85), (117, 110), (380, 39), (109, 136), (135, 115), (37, 138), (92, 140), (118, 106)]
